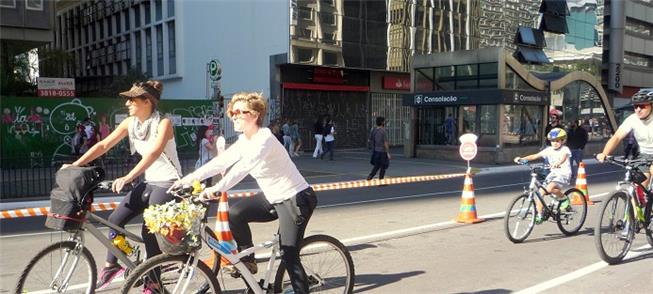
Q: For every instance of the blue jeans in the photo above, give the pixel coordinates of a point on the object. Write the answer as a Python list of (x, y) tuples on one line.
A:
[(577, 157)]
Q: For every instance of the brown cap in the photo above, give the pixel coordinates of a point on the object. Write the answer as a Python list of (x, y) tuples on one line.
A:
[(142, 90)]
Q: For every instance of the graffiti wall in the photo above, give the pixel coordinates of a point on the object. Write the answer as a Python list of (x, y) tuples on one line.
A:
[(37, 131)]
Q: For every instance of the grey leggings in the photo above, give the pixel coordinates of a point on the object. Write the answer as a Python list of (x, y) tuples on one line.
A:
[(293, 215), (133, 204)]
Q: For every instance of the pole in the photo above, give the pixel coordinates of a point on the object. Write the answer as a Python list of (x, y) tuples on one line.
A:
[(206, 82)]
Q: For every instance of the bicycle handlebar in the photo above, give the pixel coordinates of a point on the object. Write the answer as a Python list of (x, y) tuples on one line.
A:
[(627, 162)]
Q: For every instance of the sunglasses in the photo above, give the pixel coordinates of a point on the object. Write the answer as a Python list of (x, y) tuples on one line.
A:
[(238, 112), (642, 106)]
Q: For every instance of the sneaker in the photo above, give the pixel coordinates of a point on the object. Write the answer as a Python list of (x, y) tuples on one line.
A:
[(564, 205), (151, 288), (233, 271), (539, 219), (107, 275)]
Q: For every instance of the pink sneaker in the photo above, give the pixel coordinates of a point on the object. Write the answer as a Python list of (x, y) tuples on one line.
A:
[(107, 275)]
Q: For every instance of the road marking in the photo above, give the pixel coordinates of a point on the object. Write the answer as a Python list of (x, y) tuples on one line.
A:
[(634, 253)]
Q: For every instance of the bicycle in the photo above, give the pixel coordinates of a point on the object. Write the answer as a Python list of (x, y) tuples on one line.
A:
[(622, 215), (321, 256), (521, 211), (54, 269)]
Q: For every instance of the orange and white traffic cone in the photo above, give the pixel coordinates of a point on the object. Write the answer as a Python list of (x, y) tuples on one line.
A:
[(581, 184), (222, 231), (467, 212)]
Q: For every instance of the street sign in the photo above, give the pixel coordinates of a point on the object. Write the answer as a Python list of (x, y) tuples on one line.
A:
[(215, 70), (468, 147)]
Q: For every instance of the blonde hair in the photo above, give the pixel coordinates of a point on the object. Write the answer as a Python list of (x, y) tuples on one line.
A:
[(254, 100)]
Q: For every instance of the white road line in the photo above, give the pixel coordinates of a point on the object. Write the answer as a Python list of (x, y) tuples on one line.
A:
[(634, 253)]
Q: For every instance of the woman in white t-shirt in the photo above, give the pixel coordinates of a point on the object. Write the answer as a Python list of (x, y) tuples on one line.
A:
[(286, 194), (151, 135)]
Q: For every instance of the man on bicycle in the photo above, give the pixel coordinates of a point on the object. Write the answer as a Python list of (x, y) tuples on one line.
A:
[(557, 155), (641, 124)]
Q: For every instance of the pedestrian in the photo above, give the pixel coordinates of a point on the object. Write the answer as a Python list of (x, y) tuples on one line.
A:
[(78, 139), (205, 148), (380, 149), (318, 130), (632, 148), (104, 128), (151, 135), (554, 122), (276, 130), (90, 139), (449, 130), (576, 140), (287, 139), (329, 138), (285, 196), (296, 138)]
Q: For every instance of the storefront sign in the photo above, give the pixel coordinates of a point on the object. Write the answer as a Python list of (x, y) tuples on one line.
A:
[(475, 97), (328, 75), (55, 87), (396, 83)]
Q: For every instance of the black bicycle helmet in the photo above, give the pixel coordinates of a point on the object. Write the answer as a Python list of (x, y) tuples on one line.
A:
[(643, 96)]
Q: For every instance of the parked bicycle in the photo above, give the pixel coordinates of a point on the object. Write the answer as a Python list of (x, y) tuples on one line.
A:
[(519, 219), (68, 266), (327, 262), (624, 213)]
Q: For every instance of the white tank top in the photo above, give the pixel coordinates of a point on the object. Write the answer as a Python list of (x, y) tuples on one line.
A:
[(166, 167)]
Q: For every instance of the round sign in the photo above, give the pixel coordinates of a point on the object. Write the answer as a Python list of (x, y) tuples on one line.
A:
[(215, 70), (468, 150)]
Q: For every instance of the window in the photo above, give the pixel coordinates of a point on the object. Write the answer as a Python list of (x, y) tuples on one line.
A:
[(148, 12), (8, 3), (424, 80), (137, 16), (172, 66), (329, 58), (118, 23), (34, 5), (305, 13), (522, 124), (328, 18), (127, 20), (139, 50), (304, 55), (148, 51), (159, 50), (171, 8), (158, 7)]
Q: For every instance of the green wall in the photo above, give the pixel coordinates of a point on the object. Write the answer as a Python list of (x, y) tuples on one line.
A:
[(24, 142)]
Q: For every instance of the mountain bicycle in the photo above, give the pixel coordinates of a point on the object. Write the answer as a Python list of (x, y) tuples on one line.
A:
[(68, 266), (327, 262), (622, 214), (519, 219)]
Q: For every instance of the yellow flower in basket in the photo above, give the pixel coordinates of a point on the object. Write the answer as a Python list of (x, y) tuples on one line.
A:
[(177, 221)]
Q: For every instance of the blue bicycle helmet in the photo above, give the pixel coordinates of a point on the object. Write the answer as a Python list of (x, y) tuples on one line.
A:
[(557, 134)]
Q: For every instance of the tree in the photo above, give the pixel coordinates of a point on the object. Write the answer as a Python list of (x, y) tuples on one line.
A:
[(15, 77)]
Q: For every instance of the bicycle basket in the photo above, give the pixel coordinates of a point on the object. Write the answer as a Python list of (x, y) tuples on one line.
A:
[(541, 173), (72, 196), (177, 243)]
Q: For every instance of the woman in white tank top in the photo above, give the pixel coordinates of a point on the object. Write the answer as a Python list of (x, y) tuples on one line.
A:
[(152, 137)]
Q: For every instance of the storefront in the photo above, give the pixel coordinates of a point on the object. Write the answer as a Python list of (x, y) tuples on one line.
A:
[(488, 93)]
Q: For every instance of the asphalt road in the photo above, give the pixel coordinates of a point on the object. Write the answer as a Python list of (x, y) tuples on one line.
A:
[(403, 240)]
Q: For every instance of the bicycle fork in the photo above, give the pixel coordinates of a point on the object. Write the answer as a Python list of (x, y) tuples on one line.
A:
[(61, 288)]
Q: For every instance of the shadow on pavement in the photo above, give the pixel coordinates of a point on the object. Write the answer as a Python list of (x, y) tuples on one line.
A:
[(551, 237), (369, 282), (490, 291), (361, 247)]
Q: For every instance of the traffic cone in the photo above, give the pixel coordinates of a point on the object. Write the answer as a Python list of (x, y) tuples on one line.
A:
[(581, 184), (222, 231), (467, 212)]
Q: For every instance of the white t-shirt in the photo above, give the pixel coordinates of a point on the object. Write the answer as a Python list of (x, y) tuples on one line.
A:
[(643, 131), (554, 156), (329, 137), (262, 157)]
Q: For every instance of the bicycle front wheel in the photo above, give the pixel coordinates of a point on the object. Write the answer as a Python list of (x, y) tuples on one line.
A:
[(571, 219), (63, 267), (519, 218), (328, 265), (614, 232), (171, 274)]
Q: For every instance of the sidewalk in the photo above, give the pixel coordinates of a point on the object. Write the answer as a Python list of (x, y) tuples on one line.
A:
[(348, 165)]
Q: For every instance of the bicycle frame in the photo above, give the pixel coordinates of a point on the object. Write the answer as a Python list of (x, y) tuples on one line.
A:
[(534, 192), (224, 251), (628, 187), (95, 231)]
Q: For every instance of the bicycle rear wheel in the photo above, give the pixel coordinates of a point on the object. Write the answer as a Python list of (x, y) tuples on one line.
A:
[(571, 220), (614, 232), (519, 218), (48, 270), (328, 266), (171, 274)]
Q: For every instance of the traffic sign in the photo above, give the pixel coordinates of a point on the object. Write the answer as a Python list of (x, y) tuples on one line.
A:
[(468, 147), (215, 70)]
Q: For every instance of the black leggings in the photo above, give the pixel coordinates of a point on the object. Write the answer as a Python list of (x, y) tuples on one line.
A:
[(133, 204), (293, 215)]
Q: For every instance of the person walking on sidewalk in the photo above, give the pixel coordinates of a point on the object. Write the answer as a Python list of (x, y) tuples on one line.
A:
[(329, 138), (296, 139), (318, 133), (205, 148), (151, 135), (576, 141), (287, 139), (380, 149), (258, 153)]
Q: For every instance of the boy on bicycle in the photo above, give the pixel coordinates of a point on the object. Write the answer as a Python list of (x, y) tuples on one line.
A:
[(557, 155)]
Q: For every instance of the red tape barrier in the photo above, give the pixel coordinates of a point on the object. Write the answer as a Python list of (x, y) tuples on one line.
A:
[(107, 206)]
